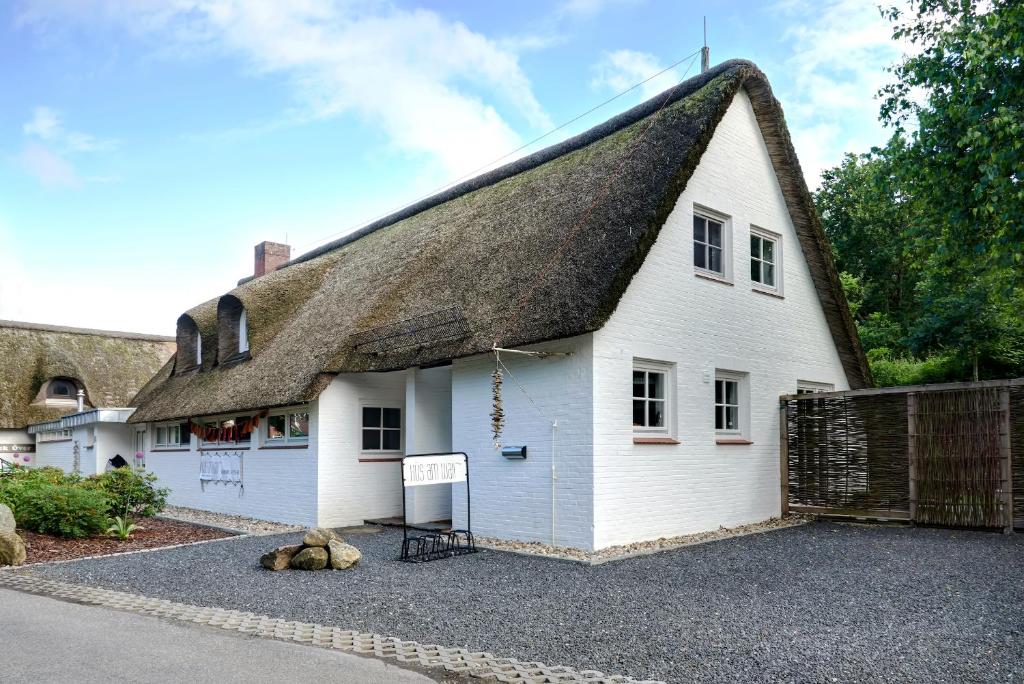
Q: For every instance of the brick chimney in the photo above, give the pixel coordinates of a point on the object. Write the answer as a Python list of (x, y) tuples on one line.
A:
[(271, 256)]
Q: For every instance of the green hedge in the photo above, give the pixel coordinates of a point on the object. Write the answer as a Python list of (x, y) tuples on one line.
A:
[(64, 510)]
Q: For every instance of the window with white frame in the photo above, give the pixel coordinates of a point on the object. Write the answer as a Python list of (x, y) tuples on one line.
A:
[(287, 428), (764, 259), (54, 435), (171, 436), (652, 392), (729, 406), (235, 432), (382, 428), (811, 387), (243, 332), (710, 244)]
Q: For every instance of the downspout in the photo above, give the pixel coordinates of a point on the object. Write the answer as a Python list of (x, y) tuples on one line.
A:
[(81, 400), (554, 477)]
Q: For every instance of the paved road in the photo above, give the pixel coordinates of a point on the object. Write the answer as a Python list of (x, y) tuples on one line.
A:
[(45, 640)]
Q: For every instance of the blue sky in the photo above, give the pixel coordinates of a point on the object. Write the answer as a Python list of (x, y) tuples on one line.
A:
[(146, 146)]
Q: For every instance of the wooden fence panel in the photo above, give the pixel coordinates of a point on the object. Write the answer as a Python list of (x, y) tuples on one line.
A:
[(957, 457), (1017, 453)]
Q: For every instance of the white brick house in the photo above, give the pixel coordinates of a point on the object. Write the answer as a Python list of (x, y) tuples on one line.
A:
[(671, 261)]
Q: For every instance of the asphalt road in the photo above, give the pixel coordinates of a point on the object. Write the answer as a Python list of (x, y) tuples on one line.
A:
[(45, 640)]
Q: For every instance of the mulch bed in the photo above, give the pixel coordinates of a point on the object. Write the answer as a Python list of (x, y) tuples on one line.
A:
[(155, 532)]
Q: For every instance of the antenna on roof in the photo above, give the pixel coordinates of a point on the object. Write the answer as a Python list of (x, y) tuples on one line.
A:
[(705, 52)]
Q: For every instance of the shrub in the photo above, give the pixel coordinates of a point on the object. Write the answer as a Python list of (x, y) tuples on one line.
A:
[(64, 510), (16, 484), (129, 492), (889, 370)]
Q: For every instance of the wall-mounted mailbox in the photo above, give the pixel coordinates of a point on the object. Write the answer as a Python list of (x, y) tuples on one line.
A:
[(513, 451)]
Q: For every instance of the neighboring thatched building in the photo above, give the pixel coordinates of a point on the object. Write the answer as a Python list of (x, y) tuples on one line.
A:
[(672, 260), (51, 371)]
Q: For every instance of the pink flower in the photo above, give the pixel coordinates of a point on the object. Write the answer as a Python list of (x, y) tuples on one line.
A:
[(139, 455)]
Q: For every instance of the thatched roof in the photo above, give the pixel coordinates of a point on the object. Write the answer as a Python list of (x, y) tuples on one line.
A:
[(440, 279), (111, 367)]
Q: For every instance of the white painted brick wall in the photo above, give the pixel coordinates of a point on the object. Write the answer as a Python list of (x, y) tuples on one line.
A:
[(669, 314), (280, 484), (428, 422), (510, 498), (53, 454), (349, 491)]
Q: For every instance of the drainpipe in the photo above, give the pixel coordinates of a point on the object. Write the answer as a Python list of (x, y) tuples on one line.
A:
[(554, 477), (81, 400)]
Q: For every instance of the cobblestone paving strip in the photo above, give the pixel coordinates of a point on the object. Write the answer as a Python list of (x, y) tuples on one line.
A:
[(475, 664)]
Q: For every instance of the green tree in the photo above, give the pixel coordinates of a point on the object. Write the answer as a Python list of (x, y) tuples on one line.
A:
[(959, 102)]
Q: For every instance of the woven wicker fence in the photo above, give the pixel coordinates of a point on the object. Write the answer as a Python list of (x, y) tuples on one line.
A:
[(949, 455)]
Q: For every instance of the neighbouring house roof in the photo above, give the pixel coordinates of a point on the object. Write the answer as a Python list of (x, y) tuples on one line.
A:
[(111, 367), (441, 279)]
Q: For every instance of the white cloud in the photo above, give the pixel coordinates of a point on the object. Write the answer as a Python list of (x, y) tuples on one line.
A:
[(46, 125), (840, 50), (621, 69), (588, 8), (411, 72), (49, 168)]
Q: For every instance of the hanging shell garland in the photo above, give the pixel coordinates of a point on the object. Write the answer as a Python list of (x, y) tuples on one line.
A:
[(497, 411)]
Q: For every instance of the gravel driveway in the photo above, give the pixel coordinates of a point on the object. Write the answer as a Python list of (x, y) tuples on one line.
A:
[(819, 602)]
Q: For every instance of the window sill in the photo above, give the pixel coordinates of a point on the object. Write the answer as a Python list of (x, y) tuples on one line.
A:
[(655, 440), (712, 277), (724, 440), (163, 450), (380, 459), (768, 293), (270, 447), (225, 447)]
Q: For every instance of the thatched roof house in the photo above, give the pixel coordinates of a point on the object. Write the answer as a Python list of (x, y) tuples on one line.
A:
[(440, 279), (109, 366)]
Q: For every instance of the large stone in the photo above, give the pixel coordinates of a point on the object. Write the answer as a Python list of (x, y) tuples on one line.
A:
[(6, 519), (343, 556), (12, 549), (312, 558), (319, 536), (279, 558)]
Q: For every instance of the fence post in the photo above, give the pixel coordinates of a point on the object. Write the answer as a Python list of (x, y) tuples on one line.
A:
[(1007, 461), (783, 457), (912, 453)]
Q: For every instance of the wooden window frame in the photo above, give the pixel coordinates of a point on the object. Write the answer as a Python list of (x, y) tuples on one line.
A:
[(776, 240), (707, 214), (667, 370), (401, 427)]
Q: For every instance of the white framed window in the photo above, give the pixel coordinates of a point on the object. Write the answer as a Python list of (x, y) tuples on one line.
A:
[(234, 432), (382, 428), (54, 436), (731, 404), (171, 436), (711, 243), (243, 332), (653, 391), (765, 259), (287, 428), (812, 387)]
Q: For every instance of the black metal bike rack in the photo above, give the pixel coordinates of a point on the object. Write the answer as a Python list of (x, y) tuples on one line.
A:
[(426, 544)]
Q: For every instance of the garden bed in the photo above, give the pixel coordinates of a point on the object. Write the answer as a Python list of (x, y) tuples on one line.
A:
[(153, 533)]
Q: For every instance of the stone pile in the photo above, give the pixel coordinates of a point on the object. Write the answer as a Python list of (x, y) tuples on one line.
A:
[(12, 547), (320, 549)]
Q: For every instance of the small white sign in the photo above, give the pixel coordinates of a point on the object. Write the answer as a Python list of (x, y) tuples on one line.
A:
[(428, 470)]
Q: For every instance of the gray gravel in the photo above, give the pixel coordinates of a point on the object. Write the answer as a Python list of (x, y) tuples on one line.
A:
[(819, 602)]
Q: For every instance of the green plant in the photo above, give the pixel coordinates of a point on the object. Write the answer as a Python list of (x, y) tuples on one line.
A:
[(130, 493), (122, 528), (65, 510)]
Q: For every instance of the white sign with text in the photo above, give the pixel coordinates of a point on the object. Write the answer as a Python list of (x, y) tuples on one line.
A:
[(428, 470)]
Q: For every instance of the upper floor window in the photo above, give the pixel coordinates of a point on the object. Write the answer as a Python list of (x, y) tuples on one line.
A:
[(652, 395), (232, 330), (764, 259), (711, 243)]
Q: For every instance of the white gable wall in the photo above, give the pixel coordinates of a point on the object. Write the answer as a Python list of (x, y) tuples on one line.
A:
[(645, 491), (512, 499)]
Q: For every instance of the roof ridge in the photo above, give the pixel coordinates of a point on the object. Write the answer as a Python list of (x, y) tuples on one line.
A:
[(602, 130), (46, 327)]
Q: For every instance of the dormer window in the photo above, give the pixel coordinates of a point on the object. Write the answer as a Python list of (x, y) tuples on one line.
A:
[(232, 330), (61, 389), (190, 345)]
